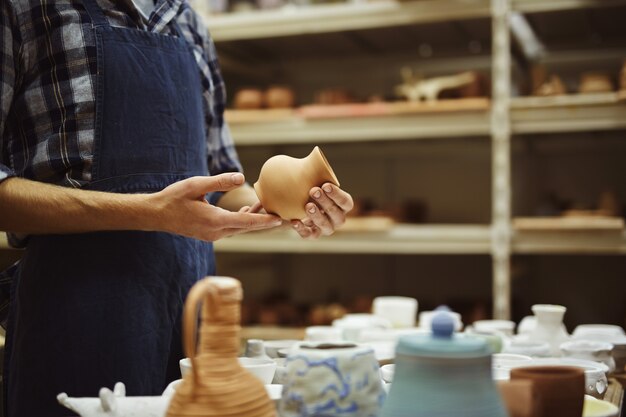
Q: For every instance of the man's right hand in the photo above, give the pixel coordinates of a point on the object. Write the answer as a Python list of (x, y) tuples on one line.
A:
[(182, 208)]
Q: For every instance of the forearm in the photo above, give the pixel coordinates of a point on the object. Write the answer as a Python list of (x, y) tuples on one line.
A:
[(234, 200), (36, 208)]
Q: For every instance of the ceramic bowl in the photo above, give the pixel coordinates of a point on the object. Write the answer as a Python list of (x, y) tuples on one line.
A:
[(589, 350), (596, 381), (594, 329), (505, 327), (261, 368), (272, 346), (594, 407), (386, 372), (501, 364), (323, 334), (388, 335), (351, 325), (523, 346)]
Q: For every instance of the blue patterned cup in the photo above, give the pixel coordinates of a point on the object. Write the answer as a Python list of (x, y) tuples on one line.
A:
[(339, 380)]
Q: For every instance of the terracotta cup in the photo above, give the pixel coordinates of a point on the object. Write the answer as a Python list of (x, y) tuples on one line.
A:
[(284, 182), (560, 389)]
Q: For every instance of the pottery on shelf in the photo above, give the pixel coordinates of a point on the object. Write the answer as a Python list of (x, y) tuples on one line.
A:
[(549, 326), (443, 374), (400, 311), (278, 97), (248, 99), (560, 389), (284, 183), (331, 379), (595, 82), (217, 382)]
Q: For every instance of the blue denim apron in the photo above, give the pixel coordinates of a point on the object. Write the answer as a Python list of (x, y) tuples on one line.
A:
[(96, 308)]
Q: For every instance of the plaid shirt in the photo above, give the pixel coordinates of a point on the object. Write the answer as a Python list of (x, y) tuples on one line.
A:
[(47, 90), (47, 85)]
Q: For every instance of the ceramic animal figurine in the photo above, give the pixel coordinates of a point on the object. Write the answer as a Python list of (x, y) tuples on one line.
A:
[(284, 182), (217, 384), (443, 374), (331, 379), (552, 87), (416, 89), (116, 404)]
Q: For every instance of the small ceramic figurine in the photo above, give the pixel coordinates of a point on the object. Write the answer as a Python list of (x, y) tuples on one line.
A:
[(443, 374), (549, 327), (278, 97), (284, 182), (217, 384), (248, 99), (330, 379), (116, 404), (416, 89)]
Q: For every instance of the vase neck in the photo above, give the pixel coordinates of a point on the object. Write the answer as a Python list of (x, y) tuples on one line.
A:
[(220, 330)]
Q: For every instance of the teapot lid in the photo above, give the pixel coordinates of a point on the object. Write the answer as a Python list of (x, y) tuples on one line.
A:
[(442, 342)]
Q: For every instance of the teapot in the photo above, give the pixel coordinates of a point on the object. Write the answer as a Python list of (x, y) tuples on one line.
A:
[(443, 374)]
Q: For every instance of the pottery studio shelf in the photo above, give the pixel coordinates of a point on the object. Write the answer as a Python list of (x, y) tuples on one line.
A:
[(444, 118), (340, 17), (569, 235), (360, 122), (568, 113), (399, 239)]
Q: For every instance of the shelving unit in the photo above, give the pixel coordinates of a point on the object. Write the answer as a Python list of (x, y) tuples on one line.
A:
[(498, 119)]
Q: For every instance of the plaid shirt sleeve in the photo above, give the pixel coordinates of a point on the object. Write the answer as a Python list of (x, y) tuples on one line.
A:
[(9, 47), (222, 155)]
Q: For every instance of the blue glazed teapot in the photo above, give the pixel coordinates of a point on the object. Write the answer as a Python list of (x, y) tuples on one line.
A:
[(443, 375)]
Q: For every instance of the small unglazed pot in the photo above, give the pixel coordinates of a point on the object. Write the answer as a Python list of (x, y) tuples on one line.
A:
[(284, 183)]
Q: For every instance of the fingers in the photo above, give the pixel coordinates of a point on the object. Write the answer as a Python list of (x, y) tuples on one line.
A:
[(339, 196), (249, 221), (221, 182), (306, 229), (335, 215)]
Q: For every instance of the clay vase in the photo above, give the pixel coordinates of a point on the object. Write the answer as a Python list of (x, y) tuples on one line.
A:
[(560, 390), (549, 327), (248, 99), (217, 384), (277, 97), (284, 182)]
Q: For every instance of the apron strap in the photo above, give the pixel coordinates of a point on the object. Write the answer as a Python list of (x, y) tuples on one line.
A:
[(98, 19)]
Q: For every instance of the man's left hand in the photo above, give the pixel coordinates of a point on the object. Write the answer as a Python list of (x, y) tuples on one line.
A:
[(325, 213)]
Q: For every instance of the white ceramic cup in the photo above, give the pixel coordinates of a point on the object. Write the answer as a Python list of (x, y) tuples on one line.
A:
[(400, 311), (261, 368)]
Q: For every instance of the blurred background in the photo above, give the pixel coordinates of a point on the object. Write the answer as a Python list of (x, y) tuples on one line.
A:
[(484, 143)]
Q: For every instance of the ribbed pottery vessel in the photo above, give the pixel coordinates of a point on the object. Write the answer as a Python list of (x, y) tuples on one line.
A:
[(443, 375), (284, 183), (217, 385)]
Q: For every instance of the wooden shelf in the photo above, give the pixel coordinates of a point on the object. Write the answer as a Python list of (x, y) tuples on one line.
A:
[(568, 113), (391, 121), (400, 239), (536, 6), (340, 17)]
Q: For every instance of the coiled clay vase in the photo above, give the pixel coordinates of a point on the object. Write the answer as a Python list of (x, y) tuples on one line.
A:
[(217, 385), (284, 182)]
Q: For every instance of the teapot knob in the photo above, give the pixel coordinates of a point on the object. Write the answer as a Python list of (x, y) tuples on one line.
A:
[(442, 324)]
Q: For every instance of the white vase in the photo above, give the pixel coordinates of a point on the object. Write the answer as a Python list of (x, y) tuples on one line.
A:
[(549, 326)]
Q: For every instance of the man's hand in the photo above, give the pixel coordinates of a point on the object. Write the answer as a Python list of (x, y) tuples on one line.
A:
[(326, 213), (182, 208)]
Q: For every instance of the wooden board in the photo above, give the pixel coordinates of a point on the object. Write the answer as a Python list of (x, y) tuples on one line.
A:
[(573, 223), (355, 110), (367, 224)]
